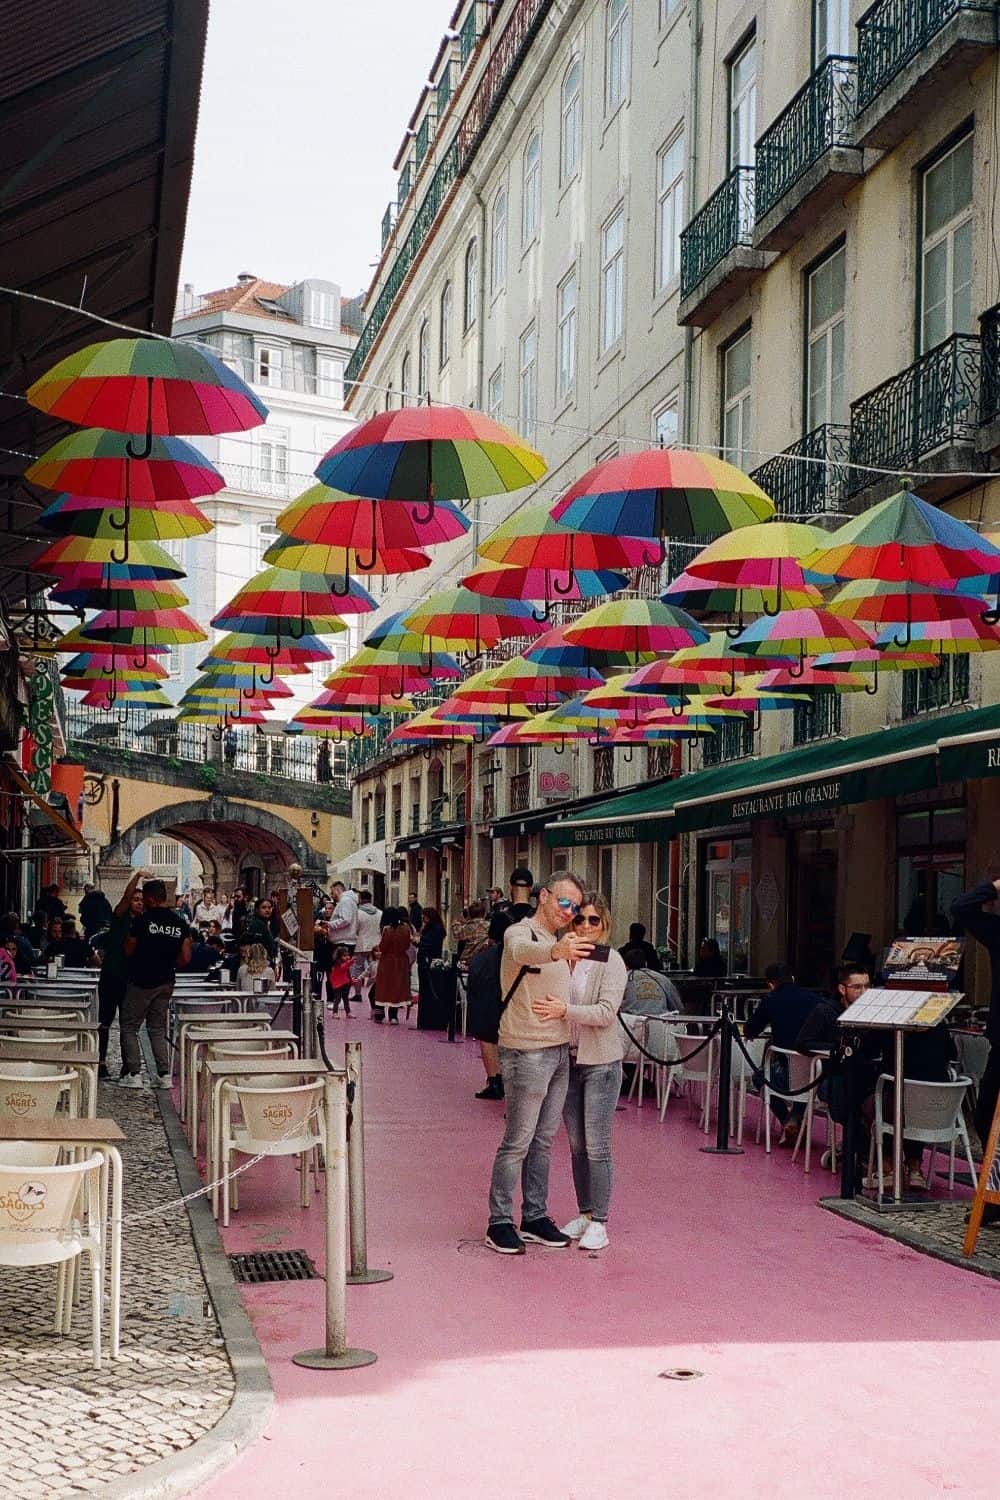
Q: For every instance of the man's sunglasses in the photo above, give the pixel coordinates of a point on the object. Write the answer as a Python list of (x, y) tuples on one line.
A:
[(565, 904), (581, 921)]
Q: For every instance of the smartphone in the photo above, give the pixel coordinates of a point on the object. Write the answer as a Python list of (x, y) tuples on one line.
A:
[(600, 952)]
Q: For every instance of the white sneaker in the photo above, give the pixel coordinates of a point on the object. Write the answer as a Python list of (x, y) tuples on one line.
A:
[(130, 1081), (163, 1082), (576, 1228), (595, 1237), (916, 1179)]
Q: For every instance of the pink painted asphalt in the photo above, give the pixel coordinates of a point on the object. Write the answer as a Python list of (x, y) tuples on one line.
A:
[(836, 1362)]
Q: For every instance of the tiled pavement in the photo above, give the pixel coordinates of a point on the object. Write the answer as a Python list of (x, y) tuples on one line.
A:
[(936, 1231), (68, 1429)]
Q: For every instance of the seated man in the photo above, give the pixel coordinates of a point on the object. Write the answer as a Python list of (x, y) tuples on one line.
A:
[(637, 939), (821, 1032), (206, 954), (784, 1008), (647, 992)]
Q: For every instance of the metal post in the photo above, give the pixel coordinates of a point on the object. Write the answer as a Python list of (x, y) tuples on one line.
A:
[(722, 1146), (897, 1120), (335, 1355), (297, 1002), (359, 1274), (849, 1143)]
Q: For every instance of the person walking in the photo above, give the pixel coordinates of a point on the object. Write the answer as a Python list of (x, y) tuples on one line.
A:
[(343, 925), (258, 928), (430, 946), (158, 944), (95, 911), (392, 978), (534, 1062), (484, 1004), (596, 1048), (369, 927)]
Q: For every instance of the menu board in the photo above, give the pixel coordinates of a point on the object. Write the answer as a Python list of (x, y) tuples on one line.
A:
[(923, 961), (905, 1010)]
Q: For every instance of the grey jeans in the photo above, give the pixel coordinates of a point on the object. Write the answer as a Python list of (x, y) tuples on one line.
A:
[(534, 1085), (588, 1113), (153, 1007)]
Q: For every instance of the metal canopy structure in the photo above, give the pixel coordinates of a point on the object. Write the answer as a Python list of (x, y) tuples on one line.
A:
[(98, 109)]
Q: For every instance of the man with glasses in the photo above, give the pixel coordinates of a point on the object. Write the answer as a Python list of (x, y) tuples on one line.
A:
[(534, 1062), (821, 1032)]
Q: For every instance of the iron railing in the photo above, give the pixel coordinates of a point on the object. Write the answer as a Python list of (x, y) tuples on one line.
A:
[(469, 34), (489, 803), (818, 719), (403, 184), (388, 223), (380, 825), (891, 33), (933, 402), (819, 117), (733, 740), (604, 769), (810, 477), (520, 792), (397, 822), (415, 819), (445, 87), (989, 338), (422, 141), (460, 807), (925, 690), (724, 222), (658, 761), (436, 819)]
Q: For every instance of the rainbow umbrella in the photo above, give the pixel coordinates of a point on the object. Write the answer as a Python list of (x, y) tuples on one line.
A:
[(689, 592), (338, 563), (398, 673), (800, 633), (831, 667), (713, 663), (530, 538), (519, 681), (74, 640), (359, 696), (144, 385), (261, 650), (879, 603), (98, 464), (946, 637), (330, 518), (152, 521), (424, 726), (423, 453), (905, 540), (845, 681), (142, 694), (335, 727), (164, 627), (294, 595), (243, 678), (635, 625), (662, 493), (471, 621), (500, 581), (100, 661), (85, 557), (552, 649), (617, 694), (760, 557), (128, 593)]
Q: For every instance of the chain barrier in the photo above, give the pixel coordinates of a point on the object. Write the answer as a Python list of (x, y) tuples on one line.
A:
[(665, 1062), (756, 1068)]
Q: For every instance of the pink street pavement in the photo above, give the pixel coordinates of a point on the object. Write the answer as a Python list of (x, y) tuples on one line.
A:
[(836, 1363)]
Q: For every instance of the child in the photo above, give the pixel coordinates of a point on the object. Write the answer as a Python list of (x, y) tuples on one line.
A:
[(338, 981)]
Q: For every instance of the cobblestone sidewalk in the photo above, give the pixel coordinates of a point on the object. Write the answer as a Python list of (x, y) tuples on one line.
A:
[(68, 1429), (937, 1231)]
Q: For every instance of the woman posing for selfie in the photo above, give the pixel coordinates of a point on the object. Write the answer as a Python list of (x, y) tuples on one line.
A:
[(597, 1046)]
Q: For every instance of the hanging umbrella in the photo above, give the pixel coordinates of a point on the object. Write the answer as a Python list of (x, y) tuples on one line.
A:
[(75, 640), (399, 671), (261, 649), (945, 637), (662, 493), (691, 593), (162, 627), (425, 453), (760, 557), (98, 464), (369, 526), (152, 521), (145, 385), (530, 538), (142, 695), (336, 727), (128, 593), (470, 621), (635, 625), (294, 595), (845, 681), (338, 563), (84, 557), (714, 663), (531, 683), (345, 695), (99, 661), (800, 633), (905, 540), (552, 649), (500, 581), (862, 661), (875, 602)]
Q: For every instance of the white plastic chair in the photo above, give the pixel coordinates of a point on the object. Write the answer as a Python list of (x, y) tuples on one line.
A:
[(276, 1122), (38, 1097), (36, 1041), (802, 1070), (701, 1070), (742, 1082), (658, 1035), (932, 1116), (39, 1227), (29, 1153)]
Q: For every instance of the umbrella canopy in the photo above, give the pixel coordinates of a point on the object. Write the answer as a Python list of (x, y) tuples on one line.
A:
[(761, 557), (800, 633), (359, 695), (470, 620), (879, 603), (164, 627), (530, 538), (402, 672), (334, 726), (552, 649), (279, 628), (341, 562), (245, 681), (84, 556), (150, 593), (635, 625), (868, 659), (661, 493), (945, 637), (293, 595), (714, 663), (106, 697), (426, 453), (75, 640), (501, 581), (259, 648), (845, 681), (152, 386), (617, 694), (521, 681), (331, 518), (905, 540), (102, 662), (690, 592), (425, 726), (97, 463), (152, 521)]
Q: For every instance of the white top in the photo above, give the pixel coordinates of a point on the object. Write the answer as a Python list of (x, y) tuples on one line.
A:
[(343, 925), (369, 918)]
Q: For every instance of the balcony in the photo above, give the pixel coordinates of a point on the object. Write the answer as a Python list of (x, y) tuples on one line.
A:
[(436, 819), (388, 223), (415, 819), (807, 159), (489, 801), (659, 761), (989, 392), (520, 792), (910, 54), (604, 769), (809, 478), (459, 807), (926, 415), (380, 826), (925, 691), (397, 822), (819, 719), (718, 258), (732, 740)]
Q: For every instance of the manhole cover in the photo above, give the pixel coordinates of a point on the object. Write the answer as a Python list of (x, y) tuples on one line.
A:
[(273, 1265), (681, 1374)]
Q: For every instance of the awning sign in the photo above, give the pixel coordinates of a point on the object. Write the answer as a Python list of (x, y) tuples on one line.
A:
[(769, 802)]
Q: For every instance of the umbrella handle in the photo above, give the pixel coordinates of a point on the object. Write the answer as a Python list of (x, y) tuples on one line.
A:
[(398, 697), (266, 678), (337, 591), (655, 562), (872, 688), (423, 517), (799, 669), (140, 665), (560, 749), (934, 674), (147, 442), (992, 616), (628, 756), (734, 631), (729, 691), (428, 670), (428, 753), (546, 613), (473, 657), (556, 589), (297, 628)]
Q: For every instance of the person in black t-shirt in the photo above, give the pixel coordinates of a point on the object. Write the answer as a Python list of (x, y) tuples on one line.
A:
[(159, 944)]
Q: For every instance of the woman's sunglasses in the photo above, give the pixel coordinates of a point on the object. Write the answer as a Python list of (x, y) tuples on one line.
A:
[(581, 921)]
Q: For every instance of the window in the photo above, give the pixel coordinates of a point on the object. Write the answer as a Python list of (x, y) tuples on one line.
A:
[(733, 740), (736, 401), (164, 853), (270, 363), (173, 662), (669, 211), (267, 535), (470, 304), (531, 190), (571, 140), (566, 302), (667, 9), (946, 249), (742, 81), (612, 279), (498, 242), (174, 547), (925, 690), (389, 396), (617, 47), (330, 377), (494, 395), (818, 719), (930, 867), (527, 380), (725, 899), (424, 359), (665, 423), (831, 30), (825, 343), (404, 379), (324, 309), (273, 464), (444, 332)]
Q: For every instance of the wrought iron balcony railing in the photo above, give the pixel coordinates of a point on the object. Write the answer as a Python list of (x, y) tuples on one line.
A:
[(811, 476), (397, 822), (520, 792), (819, 719), (989, 338), (388, 223), (891, 33), (819, 117), (732, 740), (489, 801), (415, 819), (604, 769), (933, 402), (724, 222), (924, 691)]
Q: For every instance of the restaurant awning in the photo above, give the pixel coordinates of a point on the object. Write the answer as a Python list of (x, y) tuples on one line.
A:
[(431, 838), (52, 816), (369, 857), (830, 773), (515, 825)]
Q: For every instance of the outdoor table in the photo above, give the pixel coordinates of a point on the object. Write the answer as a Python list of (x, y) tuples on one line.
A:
[(236, 1020), (217, 1071), (85, 1063), (80, 1005), (222, 1033), (76, 1135), (85, 1032)]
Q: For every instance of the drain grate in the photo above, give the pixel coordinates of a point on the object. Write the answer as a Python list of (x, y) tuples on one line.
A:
[(273, 1265)]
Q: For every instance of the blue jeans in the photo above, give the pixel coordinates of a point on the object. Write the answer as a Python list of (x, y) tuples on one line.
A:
[(534, 1085), (588, 1113)]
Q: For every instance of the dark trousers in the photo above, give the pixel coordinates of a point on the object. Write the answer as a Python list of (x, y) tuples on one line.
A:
[(989, 1090), (110, 994), (780, 1108)]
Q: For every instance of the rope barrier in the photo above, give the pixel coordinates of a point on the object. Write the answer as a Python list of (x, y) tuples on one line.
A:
[(665, 1062), (806, 1088)]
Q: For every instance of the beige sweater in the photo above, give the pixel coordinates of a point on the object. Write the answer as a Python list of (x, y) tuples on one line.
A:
[(519, 1027), (596, 1034)]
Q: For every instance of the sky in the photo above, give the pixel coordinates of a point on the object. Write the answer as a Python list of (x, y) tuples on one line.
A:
[(303, 107)]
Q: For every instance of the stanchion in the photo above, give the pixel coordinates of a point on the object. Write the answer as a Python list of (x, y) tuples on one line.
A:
[(848, 1162), (722, 1146), (359, 1274), (335, 1355)]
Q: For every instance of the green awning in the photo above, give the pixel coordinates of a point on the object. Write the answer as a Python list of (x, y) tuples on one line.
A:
[(808, 778), (974, 750)]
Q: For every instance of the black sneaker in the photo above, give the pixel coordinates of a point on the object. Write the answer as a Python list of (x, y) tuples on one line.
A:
[(505, 1240), (544, 1232), (493, 1089)]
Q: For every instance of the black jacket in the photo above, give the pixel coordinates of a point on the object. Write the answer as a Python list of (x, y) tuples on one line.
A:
[(95, 911), (785, 1010), (984, 926)]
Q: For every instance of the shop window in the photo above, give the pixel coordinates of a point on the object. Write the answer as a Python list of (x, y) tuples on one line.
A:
[(930, 869), (924, 691), (726, 900)]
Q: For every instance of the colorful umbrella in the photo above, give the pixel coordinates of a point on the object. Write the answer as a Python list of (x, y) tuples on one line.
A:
[(260, 649), (149, 593), (946, 637), (105, 697), (338, 563), (662, 493), (531, 683), (97, 464), (75, 640), (500, 581), (830, 668), (905, 540), (800, 633), (689, 592), (359, 696), (530, 538), (111, 663), (471, 621), (85, 557), (635, 625), (152, 521), (878, 603), (760, 557), (330, 518), (714, 663), (552, 649), (291, 595), (423, 453)]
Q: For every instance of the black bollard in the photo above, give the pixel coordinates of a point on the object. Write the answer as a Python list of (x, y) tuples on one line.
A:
[(297, 1002), (848, 1165), (722, 1146)]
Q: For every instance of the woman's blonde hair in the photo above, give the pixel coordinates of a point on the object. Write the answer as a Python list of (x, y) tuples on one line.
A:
[(256, 958), (600, 905)]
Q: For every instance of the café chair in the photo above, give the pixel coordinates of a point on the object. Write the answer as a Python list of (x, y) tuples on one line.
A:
[(277, 1121), (701, 1069), (932, 1116), (37, 1098), (802, 1070)]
